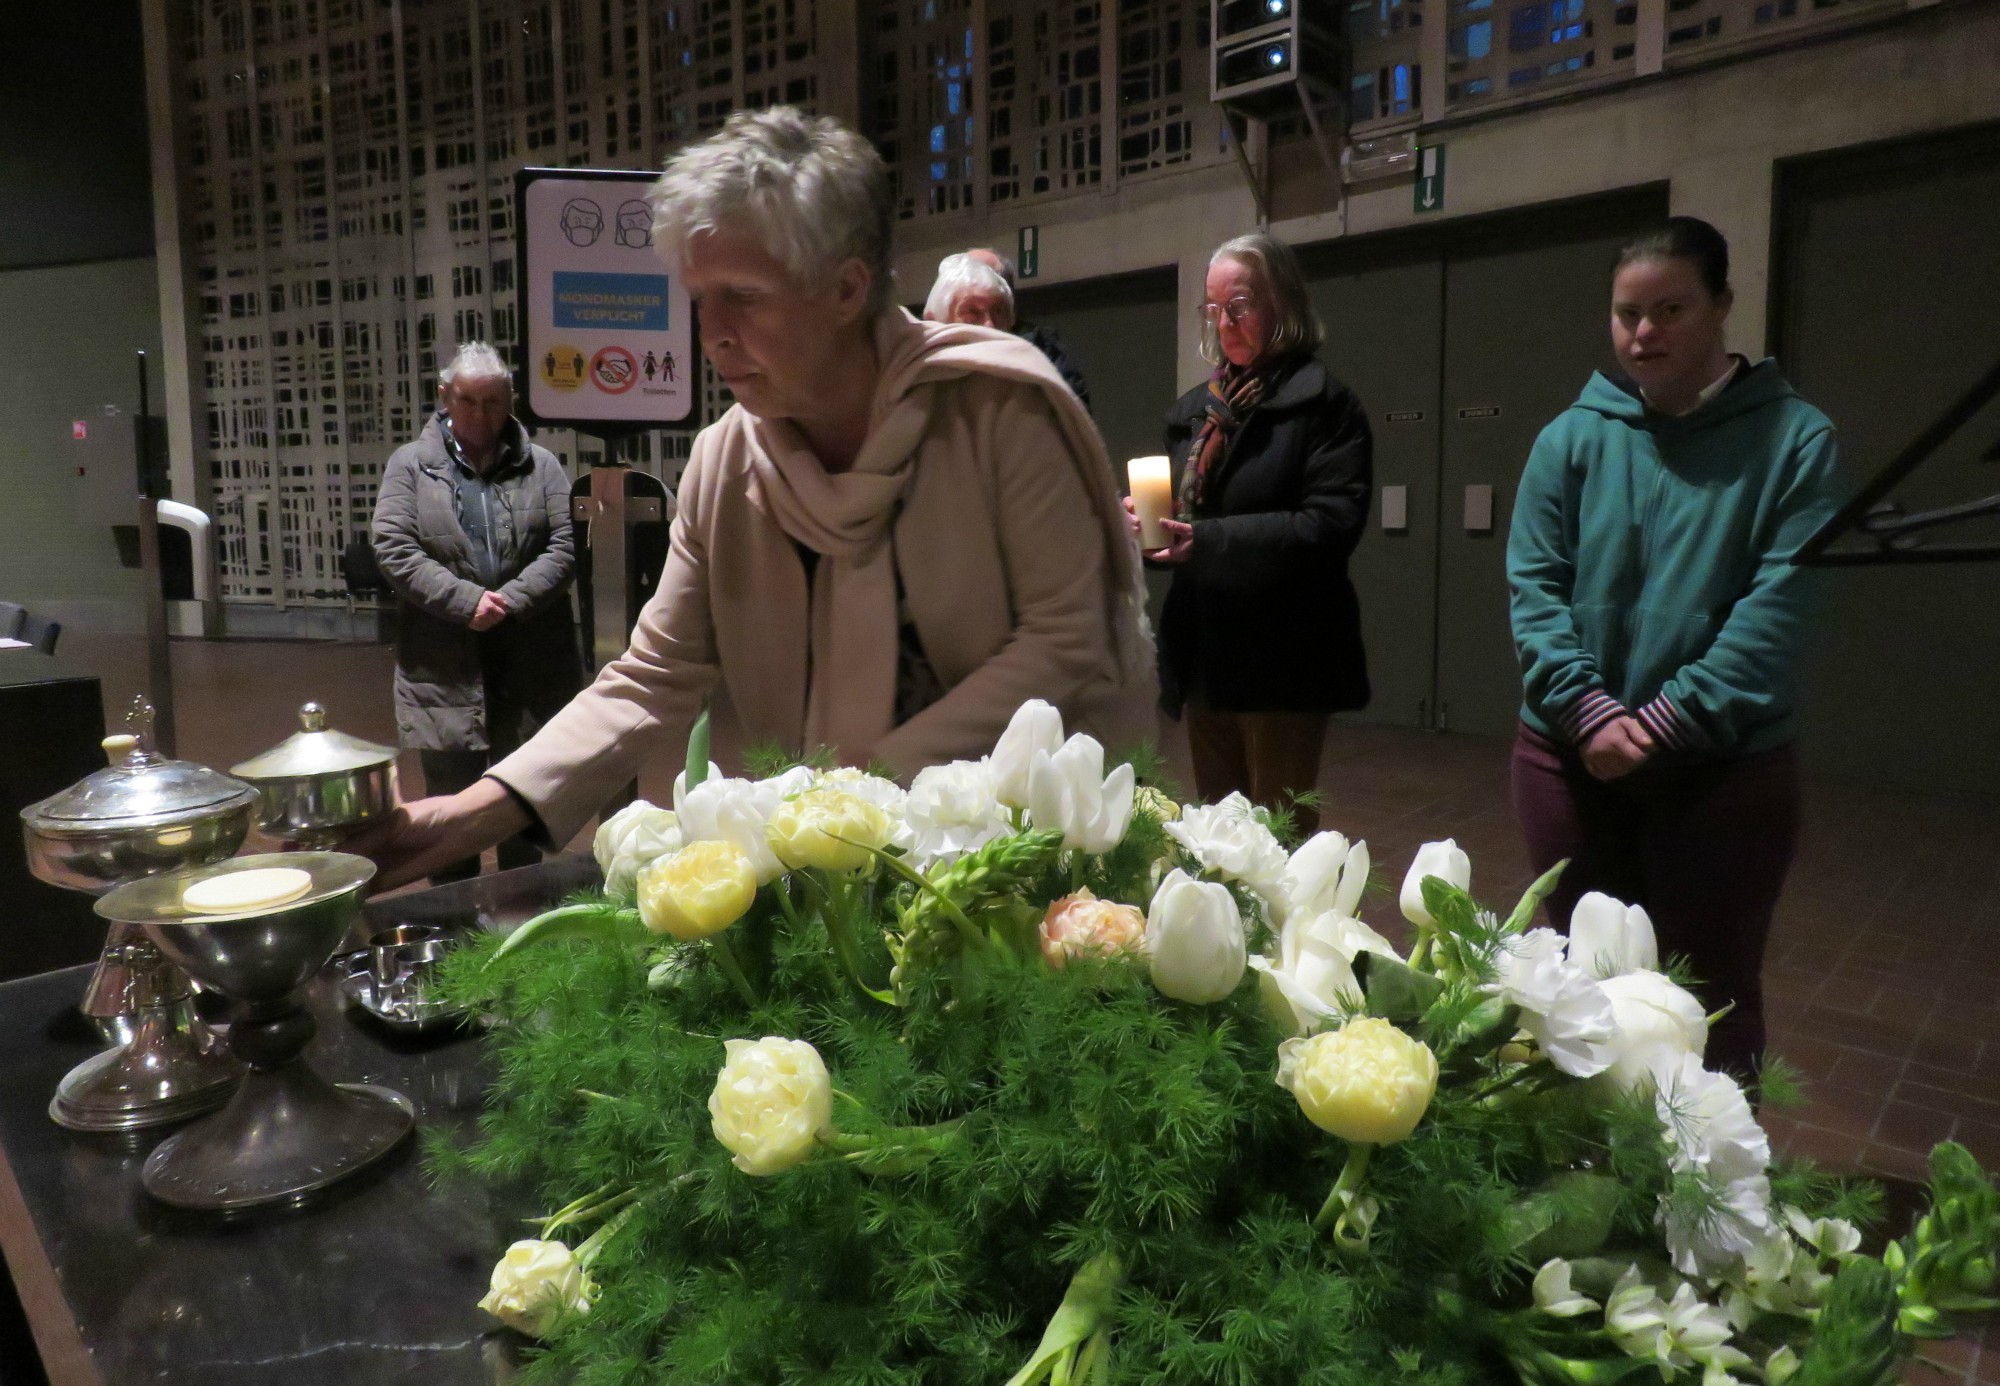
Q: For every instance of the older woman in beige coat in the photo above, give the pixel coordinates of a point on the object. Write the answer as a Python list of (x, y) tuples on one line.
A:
[(899, 533)]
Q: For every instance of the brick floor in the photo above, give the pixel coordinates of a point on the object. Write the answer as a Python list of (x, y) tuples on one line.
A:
[(1882, 979)]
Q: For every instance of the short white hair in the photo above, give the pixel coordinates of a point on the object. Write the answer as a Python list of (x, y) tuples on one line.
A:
[(811, 190), (958, 273), (475, 361)]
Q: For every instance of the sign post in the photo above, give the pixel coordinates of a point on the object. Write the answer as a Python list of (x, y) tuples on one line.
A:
[(1430, 178)]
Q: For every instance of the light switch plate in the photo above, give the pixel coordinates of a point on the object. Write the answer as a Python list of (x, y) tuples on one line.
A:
[(1479, 510), (1395, 508)]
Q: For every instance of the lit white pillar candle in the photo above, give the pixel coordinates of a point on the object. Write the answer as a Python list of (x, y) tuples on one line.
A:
[(1152, 497)]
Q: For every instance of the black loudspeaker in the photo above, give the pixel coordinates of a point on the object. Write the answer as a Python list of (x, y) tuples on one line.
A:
[(1270, 56)]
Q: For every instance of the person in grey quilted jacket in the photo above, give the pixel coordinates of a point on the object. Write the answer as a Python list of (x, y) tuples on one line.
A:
[(472, 531)]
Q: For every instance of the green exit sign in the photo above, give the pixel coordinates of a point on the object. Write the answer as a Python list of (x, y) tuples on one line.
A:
[(1430, 177), (1029, 260)]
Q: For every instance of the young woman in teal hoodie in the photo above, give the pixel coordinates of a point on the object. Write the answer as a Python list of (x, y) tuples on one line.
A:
[(1659, 622)]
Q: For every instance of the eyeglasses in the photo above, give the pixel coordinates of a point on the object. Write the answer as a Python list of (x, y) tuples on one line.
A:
[(1235, 310)]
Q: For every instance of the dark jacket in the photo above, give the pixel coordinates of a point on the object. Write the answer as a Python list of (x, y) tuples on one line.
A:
[(442, 699), (1050, 344), (1262, 616)]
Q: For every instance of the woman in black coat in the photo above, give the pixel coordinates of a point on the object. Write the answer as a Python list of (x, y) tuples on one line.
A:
[(1260, 640)]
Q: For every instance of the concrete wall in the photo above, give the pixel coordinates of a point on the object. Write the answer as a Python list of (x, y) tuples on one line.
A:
[(1712, 133), (66, 355)]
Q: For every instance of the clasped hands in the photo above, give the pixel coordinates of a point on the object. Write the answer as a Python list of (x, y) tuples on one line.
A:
[(1618, 748), (490, 612)]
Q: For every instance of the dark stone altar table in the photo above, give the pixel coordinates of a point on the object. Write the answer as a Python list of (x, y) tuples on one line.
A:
[(375, 1283)]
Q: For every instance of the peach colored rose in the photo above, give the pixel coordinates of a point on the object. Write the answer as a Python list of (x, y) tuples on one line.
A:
[(1081, 925)]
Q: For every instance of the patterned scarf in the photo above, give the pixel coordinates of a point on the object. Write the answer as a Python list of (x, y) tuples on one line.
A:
[(1233, 392)]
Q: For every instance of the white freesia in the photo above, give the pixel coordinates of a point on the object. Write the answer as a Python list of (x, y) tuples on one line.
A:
[(535, 1284), (952, 810), (1554, 1295), (1229, 839), (1069, 792), (1036, 728), (772, 1101), (732, 810), (1608, 937), (628, 841), (1568, 1014), (1312, 978), (1194, 940), (1658, 1025), (1326, 874), (1445, 860)]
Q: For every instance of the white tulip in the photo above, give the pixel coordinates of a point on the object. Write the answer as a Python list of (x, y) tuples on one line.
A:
[(1229, 839), (1657, 1024), (729, 810), (1194, 939), (1444, 860), (535, 1284), (1608, 937), (1312, 979), (1326, 874), (629, 841), (1069, 792), (952, 810), (1036, 728)]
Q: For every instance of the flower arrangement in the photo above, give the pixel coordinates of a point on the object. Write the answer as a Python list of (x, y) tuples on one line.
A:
[(1029, 1074)]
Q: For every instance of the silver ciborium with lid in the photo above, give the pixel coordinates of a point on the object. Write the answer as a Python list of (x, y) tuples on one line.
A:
[(319, 786), (141, 815)]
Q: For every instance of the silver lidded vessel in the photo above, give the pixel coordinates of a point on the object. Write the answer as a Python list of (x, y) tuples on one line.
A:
[(318, 785)]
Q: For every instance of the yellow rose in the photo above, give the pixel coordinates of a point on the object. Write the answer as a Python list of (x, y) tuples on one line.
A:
[(700, 890), (1081, 925), (828, 828), (1366, 1082), (1156, 802), (772, 1100), (535, 1284)]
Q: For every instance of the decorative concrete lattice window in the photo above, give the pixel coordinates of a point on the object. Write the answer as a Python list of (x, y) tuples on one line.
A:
[(1165, 119), (349, 181), (1385, 85), (1046, 92), (921, 55), (1503, 50)]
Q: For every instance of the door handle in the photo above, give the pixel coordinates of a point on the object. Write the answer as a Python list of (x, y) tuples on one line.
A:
[(1479, 510)]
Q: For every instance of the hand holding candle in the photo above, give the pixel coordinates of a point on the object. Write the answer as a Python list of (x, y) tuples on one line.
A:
[(1152, 498)]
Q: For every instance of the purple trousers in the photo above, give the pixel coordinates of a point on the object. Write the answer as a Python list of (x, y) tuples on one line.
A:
[(1704, 847)]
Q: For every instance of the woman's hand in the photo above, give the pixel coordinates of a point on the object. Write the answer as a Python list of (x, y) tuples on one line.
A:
[(1617, 748), (1131, 515), (1180, 542), (420, 837)]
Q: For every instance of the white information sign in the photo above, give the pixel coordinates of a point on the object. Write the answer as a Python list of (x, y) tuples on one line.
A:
[(607, 334)]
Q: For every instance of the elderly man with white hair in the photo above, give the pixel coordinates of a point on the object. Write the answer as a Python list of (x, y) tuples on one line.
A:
[(472, 531), (900, 532)]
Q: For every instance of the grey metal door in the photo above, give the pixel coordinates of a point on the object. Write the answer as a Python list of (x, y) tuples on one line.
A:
[(1525, 325), (1888, 308), (1120, 332), (1384, 324), (1462, 341)]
